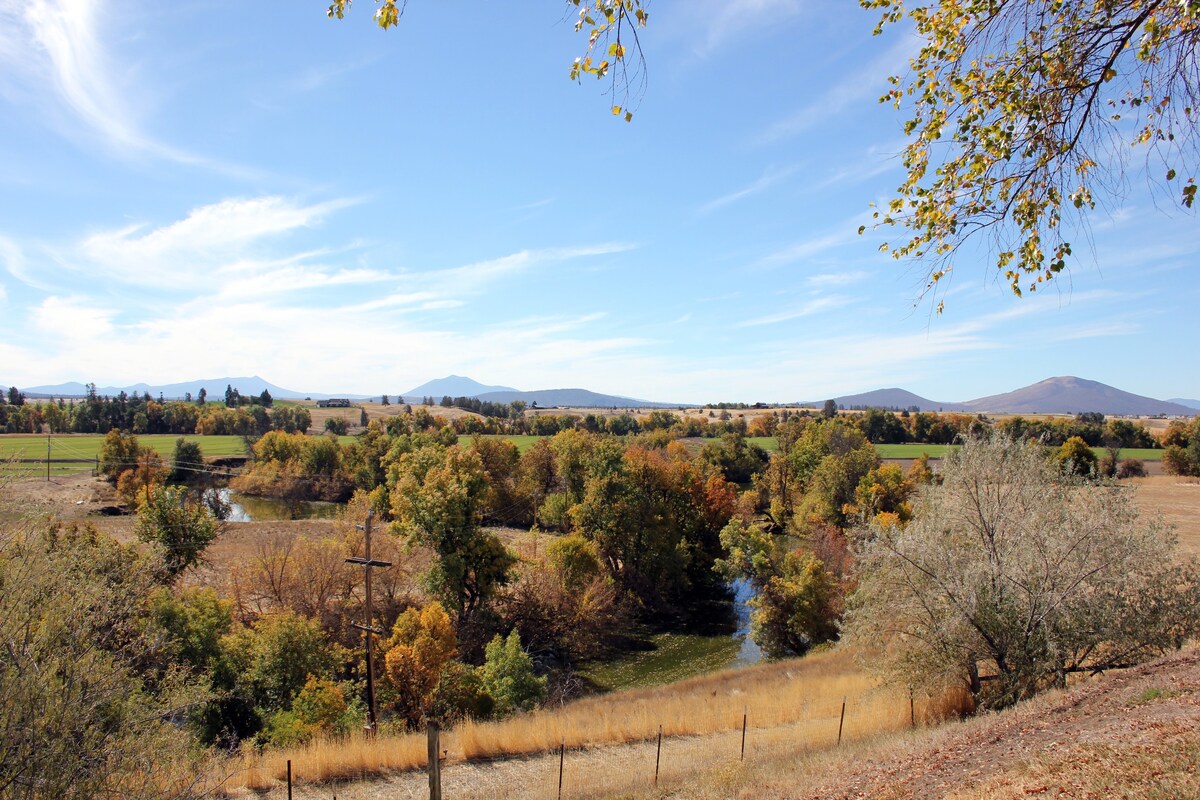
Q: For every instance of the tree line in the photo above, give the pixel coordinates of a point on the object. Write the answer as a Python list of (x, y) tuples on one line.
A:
[(235, 416)]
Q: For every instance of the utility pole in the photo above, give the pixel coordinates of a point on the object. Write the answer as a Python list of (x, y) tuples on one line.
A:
[(369, 630)]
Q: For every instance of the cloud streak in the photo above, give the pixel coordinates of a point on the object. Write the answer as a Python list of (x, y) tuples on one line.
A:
[(861, 86), (59, 44), (768, 179)]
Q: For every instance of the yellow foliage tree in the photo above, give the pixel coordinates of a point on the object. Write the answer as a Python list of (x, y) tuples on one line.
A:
[(422, 644)]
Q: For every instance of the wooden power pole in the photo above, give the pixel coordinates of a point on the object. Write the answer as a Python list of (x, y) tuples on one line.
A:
[(370, 631)]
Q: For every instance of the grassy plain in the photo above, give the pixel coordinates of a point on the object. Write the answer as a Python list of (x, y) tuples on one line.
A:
[(87, 447)]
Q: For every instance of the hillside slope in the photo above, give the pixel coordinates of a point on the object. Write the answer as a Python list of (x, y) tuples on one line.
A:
[(1071, 395), (1133, 733)]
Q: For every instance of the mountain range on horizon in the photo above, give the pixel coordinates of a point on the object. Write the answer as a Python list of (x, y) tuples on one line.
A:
[(1058, 395)]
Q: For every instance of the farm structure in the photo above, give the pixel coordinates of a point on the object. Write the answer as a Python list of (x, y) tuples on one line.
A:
[(334, 402)]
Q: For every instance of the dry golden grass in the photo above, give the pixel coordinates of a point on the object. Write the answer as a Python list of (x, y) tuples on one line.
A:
[(797, 700), (326, 760), (1178, 500)]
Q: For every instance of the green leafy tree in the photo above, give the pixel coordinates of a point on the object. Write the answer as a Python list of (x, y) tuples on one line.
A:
[(1012, 577), (187, 461), (180, 529), (275, 659), (437, 497), (507, 675), (1012, 110)]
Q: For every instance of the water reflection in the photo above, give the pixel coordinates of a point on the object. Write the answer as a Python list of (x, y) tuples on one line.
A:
[(245, 508), (750, 653)]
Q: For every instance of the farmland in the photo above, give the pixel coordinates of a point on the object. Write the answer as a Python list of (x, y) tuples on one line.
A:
[(86, 447)]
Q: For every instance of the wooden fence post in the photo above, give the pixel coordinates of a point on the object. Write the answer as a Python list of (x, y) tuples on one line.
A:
[(435, 765), (289, 779), (745, 713), (841, 721), (658, 755), (562, 754)]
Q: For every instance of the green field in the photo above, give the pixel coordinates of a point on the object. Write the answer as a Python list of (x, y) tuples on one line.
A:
[(522, 442), (87, 447)]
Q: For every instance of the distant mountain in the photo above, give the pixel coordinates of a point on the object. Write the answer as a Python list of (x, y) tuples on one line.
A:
[(1070, 395), (576, 398), (453, 386), (1183, 401), (173, 391), (895, 399)]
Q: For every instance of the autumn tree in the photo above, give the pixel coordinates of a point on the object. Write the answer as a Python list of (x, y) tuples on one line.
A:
[(1015, 110), (1076, 457), (422, 644), (1012, 576), (436, 500)]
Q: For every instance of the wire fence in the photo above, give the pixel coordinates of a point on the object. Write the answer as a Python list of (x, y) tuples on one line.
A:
[(611, 758)]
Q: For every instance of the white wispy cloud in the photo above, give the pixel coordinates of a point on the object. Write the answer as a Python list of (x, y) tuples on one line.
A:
[(535, 204), (808, 248), (472, 277), (827, 279), (13, 257), (861, 86), (768, 179), (72, 318), (56, 49), (727, 20), (811, 307), (229, 236), (1100, 331)]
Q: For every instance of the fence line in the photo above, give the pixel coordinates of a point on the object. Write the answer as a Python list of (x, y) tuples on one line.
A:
[(816, 731)]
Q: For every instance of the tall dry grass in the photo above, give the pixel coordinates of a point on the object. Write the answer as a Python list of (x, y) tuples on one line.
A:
[(797, 700)]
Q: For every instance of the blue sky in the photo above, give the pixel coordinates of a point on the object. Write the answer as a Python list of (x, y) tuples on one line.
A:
[(201, 189)]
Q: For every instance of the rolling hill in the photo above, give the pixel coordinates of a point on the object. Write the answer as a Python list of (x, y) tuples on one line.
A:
[(897, 399), (1071, 395), (452, 386)]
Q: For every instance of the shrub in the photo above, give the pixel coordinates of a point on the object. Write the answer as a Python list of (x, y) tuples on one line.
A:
[(1131, 468), (1010, 577), (507, 676)]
